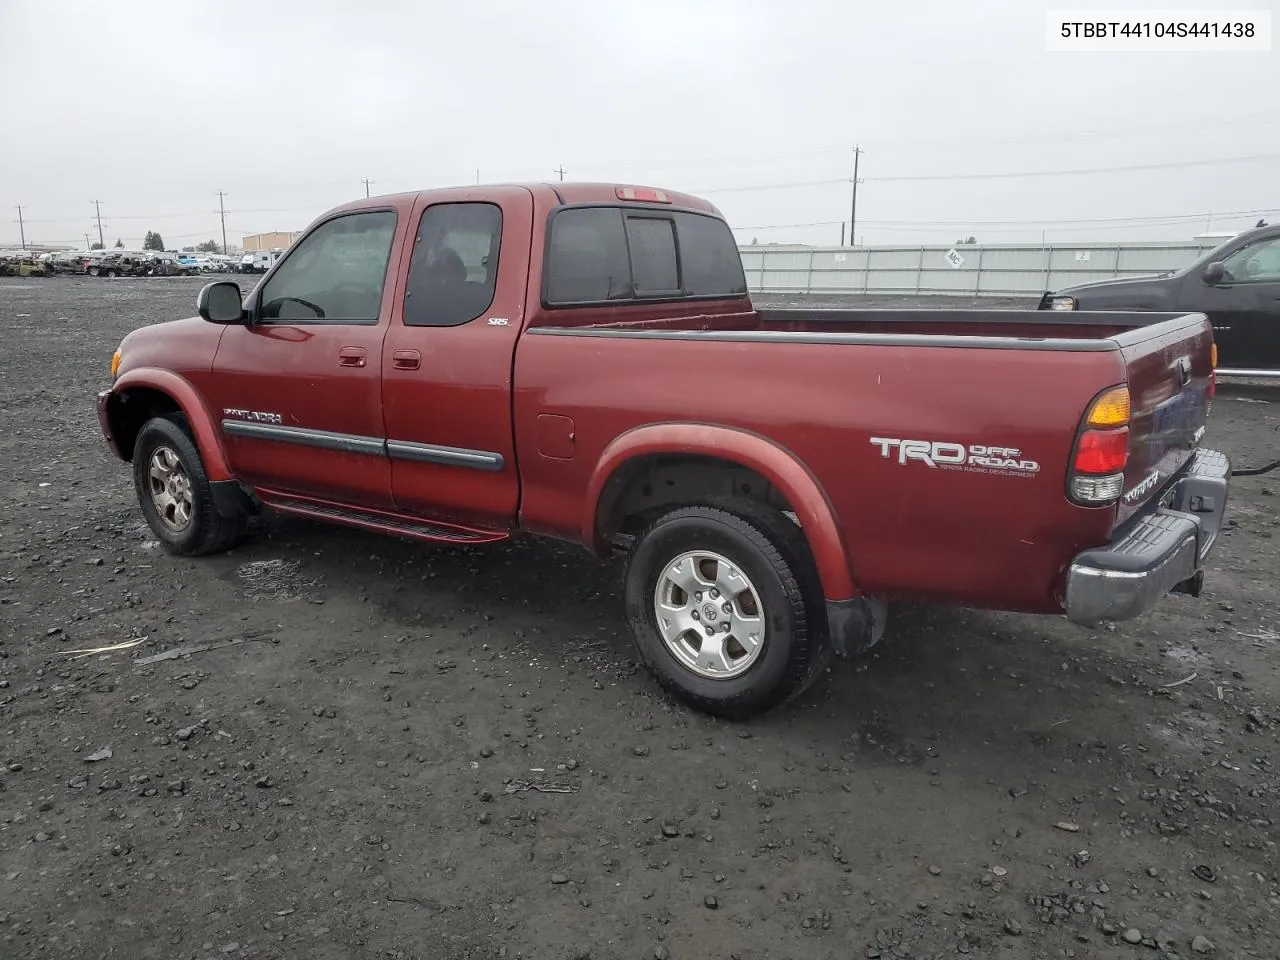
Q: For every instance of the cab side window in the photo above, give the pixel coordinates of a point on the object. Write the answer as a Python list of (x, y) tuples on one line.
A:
[(1257, 263), (454, 269), (336, 274)]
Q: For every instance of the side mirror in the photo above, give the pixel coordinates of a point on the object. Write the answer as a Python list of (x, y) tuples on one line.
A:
[(220, 302), (1214, 272)]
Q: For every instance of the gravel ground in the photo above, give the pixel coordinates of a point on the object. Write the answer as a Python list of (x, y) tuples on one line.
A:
[(424, 753)]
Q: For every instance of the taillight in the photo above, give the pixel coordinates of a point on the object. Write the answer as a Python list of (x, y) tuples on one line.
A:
[(1102, 450)]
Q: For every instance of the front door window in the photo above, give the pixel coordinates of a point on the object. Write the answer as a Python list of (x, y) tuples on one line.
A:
[(336, 273)]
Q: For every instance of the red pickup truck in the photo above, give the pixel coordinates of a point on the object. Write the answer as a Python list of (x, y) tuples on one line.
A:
[(583, 361)]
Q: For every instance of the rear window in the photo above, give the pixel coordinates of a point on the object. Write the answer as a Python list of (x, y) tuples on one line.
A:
[(611, 254)]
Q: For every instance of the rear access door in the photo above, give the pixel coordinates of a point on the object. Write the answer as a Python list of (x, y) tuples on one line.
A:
[(448, 355), (1170, 376)]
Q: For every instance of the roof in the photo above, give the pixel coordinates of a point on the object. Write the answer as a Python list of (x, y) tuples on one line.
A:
[(571, 192)]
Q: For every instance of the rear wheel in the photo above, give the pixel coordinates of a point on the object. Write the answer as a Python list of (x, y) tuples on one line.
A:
[(722, 600), (175, 495)]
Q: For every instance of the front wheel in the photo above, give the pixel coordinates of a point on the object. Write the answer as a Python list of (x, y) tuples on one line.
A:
[(722, 600), (175, 495)]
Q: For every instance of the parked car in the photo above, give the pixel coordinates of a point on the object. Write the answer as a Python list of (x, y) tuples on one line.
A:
[(22, 263), (1237, 285), (164, 264), (583, 362), (66, 262), (119, 264)]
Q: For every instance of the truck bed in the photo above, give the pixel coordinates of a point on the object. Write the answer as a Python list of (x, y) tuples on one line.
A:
[(1020, 324), (828, 385), (1023, 329)]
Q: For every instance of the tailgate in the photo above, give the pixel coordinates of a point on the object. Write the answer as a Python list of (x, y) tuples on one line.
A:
[(1171, 381)]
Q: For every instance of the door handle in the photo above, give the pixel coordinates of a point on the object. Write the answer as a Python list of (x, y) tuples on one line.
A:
[(406, 359), (351, 357)]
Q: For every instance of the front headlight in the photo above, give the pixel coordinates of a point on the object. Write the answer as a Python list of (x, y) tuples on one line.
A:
[(1062, 303), (115, 363)]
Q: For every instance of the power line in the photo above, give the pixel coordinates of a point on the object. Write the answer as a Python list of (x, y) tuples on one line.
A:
[(788, 185), (179, 215), (1034, 225), (1129, 132), (1013, 174), (1167, 165), (985, 222)]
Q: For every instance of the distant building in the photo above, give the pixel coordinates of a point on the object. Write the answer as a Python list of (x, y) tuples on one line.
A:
[(267, 241)]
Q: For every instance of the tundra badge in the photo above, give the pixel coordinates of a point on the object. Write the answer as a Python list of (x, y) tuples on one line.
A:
[(252, 416)]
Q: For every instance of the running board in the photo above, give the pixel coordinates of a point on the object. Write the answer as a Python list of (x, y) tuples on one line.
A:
[(380, 522)]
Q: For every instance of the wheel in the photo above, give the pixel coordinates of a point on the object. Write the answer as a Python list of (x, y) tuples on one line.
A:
[(723, 600), (111, 273), (175, 494)]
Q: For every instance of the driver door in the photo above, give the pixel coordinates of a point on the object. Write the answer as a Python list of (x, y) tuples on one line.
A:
[(298, 389)]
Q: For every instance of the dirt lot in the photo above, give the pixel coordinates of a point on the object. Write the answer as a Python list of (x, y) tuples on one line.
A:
[(429, 753)]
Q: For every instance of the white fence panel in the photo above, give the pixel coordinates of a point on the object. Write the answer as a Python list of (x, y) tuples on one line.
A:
[(980, 270)]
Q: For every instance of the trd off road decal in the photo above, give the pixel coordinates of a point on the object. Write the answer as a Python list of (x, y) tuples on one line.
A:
[(974, 458)]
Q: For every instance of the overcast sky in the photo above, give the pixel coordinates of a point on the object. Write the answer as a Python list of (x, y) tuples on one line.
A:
[(152, 107)]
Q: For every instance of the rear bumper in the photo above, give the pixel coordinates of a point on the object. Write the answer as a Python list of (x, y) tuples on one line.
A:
[(1162, 552)]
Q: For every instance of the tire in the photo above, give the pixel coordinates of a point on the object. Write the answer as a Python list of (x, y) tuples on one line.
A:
[(165, 451), (761, 548), (111, 274)]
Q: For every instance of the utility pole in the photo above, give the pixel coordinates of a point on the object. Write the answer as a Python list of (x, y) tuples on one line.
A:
[(853, 207), (222, 212), (560, 170), (366, 181), (86, 242), (97, 206), (22, 228)]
